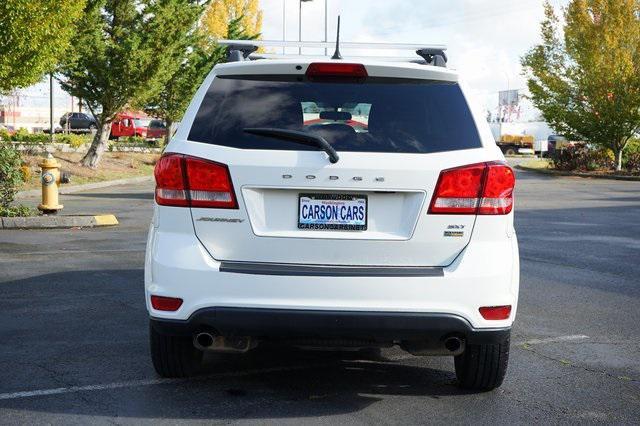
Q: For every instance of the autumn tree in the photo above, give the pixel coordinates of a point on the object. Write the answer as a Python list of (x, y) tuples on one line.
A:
[(221, 13), (125, 51), (33, 38), (585, 76), (198, 59)]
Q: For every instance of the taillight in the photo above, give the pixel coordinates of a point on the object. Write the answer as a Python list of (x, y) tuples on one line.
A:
[(170, 181), (162, 303), (495, 313), (336, 69), (484, 188), (186, 181), (497, 195)]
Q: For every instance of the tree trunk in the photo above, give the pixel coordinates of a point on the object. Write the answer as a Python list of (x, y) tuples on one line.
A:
[(167, 136), (98, 146), (618, 154)]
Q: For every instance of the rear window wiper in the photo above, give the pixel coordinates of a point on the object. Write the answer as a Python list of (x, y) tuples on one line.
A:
[(298, 137)]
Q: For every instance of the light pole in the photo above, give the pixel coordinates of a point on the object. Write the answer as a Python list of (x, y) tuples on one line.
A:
[(284, 24), (51, 107), (300, 24), (325, 26)]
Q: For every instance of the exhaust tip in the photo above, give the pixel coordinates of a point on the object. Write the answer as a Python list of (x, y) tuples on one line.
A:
[(453, 344), (204, 340)]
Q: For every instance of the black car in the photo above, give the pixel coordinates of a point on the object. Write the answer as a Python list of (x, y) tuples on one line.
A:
[(78, 121)]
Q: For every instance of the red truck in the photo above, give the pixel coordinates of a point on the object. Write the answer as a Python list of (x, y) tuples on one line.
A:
[(156, 129), (129, 125)]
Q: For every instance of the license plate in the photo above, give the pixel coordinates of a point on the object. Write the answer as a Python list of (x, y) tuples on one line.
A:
[(332, 211)]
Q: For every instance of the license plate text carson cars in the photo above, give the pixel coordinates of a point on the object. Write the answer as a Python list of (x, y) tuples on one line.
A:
[(332, 211)]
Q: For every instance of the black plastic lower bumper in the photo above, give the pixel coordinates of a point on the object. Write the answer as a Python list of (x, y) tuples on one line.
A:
[(290, 323)]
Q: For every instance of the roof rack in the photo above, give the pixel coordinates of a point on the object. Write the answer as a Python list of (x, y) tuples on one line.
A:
[(241, 50)]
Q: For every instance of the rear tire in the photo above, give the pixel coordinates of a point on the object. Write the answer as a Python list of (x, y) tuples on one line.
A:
[(482, 367), (173, 356)]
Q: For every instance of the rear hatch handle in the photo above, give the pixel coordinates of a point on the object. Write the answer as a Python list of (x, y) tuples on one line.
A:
[(297, 136)]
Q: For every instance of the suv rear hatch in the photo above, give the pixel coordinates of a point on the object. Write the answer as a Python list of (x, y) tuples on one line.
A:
[(290, 204)]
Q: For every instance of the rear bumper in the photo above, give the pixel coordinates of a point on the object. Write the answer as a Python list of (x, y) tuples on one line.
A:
[(293, 323), (486, 273)]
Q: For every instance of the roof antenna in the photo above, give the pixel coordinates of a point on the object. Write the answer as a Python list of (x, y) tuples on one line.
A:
[(336, 54)]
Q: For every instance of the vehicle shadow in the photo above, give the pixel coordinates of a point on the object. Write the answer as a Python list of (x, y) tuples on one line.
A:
[(89, 328), (265, 384)]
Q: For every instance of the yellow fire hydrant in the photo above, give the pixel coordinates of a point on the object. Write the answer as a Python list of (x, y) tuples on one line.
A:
[(51, 178)]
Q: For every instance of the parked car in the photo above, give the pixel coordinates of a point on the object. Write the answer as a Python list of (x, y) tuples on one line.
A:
[(78, 121), (129, 125), (156, 130), (316, 236)]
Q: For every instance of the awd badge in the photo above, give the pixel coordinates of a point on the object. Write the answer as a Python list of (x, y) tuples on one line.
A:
[(454, 231)]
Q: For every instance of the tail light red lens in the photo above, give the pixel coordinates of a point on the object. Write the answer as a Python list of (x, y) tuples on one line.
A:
[(186, 181), (497, 194), (494, 313), (162, 303), (484, 188), (337, 69)]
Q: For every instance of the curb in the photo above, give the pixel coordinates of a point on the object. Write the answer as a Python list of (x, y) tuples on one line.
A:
[(582, 175), (77, 188), (53, 222)]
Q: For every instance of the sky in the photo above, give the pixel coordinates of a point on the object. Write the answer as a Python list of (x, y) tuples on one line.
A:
[(485, 38)]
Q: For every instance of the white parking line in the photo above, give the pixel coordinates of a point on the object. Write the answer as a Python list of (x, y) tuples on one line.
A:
[(148, 382), (556, 339)]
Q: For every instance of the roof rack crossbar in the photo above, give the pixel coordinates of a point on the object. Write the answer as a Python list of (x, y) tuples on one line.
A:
[(239, 52), (432, 54)]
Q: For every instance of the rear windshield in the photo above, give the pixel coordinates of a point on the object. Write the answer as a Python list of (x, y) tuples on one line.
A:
[(375, 115)]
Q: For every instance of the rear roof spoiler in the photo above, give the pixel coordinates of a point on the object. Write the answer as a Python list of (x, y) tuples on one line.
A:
[(241, 50)]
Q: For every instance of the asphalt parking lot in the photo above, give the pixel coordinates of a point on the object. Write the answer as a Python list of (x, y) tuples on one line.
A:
[(73, 331)]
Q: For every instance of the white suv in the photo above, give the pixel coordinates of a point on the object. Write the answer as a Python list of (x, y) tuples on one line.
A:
[(333, 203)]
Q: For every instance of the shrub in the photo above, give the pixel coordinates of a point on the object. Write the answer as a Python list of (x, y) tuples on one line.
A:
[(155, 143), (583, 158), (36, 138), (631, 156), (25, 169), (22, 135), (135, 140), (10, 173), (632, 164), (5, 135), (75, 141), (19, 210)]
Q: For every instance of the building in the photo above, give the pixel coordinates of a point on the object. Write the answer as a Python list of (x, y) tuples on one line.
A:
[(29, 108)]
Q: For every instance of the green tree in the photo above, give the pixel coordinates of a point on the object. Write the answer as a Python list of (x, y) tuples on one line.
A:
[(203, 53), (585, 76), (125, 51), (33, 38), (10, 175)]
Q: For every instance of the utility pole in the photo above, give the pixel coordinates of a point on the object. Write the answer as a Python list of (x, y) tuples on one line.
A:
[(51, 107)]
